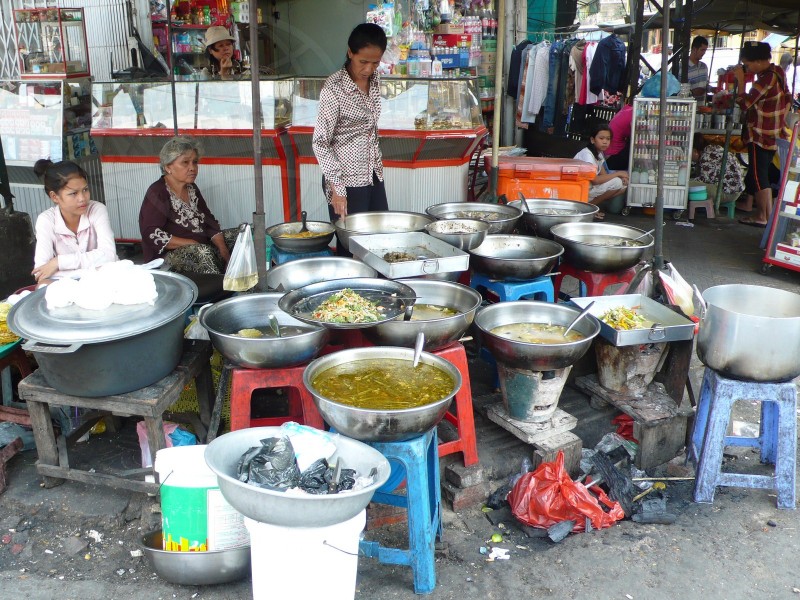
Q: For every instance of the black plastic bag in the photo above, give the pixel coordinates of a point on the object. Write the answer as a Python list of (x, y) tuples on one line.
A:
[(318, 477), (271, 465)]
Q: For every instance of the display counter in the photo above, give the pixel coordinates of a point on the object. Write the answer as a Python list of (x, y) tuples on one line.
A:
[(428, 130), (133, 120)]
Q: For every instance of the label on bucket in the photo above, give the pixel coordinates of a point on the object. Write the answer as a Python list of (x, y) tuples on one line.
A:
[(226, 528), (200, 519)]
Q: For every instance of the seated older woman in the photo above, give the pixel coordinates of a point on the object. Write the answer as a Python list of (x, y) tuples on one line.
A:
[(175, 221)]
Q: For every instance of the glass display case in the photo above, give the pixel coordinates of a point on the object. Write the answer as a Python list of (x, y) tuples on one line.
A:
[(201, 105), (421, 104), (51, 42), (783, 245), (45, 119), (643, 169)]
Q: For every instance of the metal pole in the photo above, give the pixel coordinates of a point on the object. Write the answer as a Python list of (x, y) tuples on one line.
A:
[(259, 219), (498, 96), (658, 250), (635, 48), (171, 63)]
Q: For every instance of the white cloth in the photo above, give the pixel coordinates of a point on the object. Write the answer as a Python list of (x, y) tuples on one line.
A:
[(527, 116), (541, 78), (590, 97)]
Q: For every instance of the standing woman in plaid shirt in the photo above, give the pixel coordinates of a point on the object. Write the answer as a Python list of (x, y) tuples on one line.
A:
[(346, 136), (765, 107)]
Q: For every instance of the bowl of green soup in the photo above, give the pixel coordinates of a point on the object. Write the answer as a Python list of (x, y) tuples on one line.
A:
[(377, 395)]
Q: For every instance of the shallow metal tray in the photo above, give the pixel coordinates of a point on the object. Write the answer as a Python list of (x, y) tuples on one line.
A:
[(669, 325), (434, 255)]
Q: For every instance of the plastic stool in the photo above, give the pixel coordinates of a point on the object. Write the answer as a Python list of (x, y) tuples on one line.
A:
[(463, 419), (540, 288), (708, 204), (282, 256), (777, 438), (591, 283), (422, 500), (730, 207), (301, 404)]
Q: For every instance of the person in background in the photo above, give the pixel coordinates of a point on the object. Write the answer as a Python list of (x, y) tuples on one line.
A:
[(698, 71), (345, 138), (75, 233), (605, 185), (219, 49), (765, 107), (618, 153), (709, 166), (175, 221)]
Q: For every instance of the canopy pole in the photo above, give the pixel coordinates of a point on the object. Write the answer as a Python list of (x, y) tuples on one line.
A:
[(498, 98), (658, 250), (259, 220), (171, 65)]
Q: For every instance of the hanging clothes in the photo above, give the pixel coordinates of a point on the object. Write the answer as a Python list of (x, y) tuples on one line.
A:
[(515, 68), (586, 95), (577, 66), (553, 83), (540, 80), (608, 66)]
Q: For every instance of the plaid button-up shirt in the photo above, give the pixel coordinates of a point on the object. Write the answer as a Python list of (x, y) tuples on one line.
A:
[(346, 136), (766, 104)]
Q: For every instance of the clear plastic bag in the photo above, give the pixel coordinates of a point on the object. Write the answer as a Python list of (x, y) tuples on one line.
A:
[(242, 271)]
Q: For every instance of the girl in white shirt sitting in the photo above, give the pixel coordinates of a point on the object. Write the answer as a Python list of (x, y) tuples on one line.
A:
[(74, 234), (605, 185)]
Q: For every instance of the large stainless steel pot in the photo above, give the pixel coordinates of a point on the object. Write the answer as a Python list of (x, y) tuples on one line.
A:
[(515, 256), (750, 332), (113, 351), (225, 318), (390, 221), (534, 357), (305, 271), (584, 245), (438, 332), (501, 217), (370, 425), (542, 214)]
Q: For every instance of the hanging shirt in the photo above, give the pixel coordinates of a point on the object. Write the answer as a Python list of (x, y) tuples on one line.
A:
[(541, 78), (587, 96), (514, 68), (607, 71), (577, 64), (523, 88), (345, 139)]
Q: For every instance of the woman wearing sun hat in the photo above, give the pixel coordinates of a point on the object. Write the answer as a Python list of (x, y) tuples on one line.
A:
[(220, 48)]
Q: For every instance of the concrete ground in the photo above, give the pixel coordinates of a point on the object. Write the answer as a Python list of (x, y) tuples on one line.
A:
[(76, 540)]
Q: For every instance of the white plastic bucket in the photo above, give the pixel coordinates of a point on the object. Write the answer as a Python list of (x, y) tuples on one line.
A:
[(322, 562), (194, 515)]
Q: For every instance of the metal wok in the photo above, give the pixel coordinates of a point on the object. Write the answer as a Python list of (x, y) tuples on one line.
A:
[(368, 223), (584, 245), (298, 273), (501, 217), (515, 256), (543, 213), (323, 234)]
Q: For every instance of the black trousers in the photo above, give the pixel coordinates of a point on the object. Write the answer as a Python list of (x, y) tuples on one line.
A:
[(368, 198)]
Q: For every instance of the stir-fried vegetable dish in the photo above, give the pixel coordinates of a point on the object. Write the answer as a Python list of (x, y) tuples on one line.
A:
[(624, 318), (6, 336), (303, 234), (348, 307), (384, 384)]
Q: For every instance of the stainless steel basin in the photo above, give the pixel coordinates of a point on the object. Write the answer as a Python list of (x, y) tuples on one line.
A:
[(305, 271), (368, 223), (515, 256), (542, 214), (586, 245), (501, 218)]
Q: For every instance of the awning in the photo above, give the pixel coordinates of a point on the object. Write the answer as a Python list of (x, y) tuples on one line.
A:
[(775, 39)]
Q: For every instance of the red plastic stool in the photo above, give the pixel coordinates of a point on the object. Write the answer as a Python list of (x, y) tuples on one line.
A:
[(464, 421), (301, 404), (592, 284)]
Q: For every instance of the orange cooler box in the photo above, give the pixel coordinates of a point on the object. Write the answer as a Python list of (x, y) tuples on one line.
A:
[(563, 178)]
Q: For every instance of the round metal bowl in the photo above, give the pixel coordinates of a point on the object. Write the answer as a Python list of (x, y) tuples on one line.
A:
[(300, 509), (371, 425), (368, 223), (195, 568), (583, 247), (541, 214), (323, 234), (252, 310), (394, 297), (501, 217), (438, 332), (534, 357), (515, 256), (464, 234), (305, 271)]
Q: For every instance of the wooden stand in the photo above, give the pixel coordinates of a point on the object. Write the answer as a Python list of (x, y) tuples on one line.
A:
[(150, 403)]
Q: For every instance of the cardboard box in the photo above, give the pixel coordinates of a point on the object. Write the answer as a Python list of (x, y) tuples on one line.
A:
[(448, 28), (452, 40)]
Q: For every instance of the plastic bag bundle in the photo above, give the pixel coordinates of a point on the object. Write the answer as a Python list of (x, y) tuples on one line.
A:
[(270, 465), (678, 290), (652, 87), (242, 271)]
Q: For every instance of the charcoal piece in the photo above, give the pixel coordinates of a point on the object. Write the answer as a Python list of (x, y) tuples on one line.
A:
[(620, 486), (560, 530)]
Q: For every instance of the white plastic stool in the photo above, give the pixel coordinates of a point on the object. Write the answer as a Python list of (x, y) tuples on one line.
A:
[(708, 204)]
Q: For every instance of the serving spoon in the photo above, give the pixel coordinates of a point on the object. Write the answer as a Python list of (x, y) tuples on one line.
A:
[(273, 324), (418, 348), (584, 312), (303, 228), (524, 202), (641, 236)]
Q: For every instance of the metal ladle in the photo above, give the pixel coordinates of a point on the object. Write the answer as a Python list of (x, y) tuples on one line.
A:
[(418, 348), (641, 236), (303, 228), (584, 312), (524, 202), (273, 324)]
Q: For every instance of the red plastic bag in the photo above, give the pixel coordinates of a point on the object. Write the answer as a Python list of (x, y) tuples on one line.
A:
[(548, 496), (624, 425)]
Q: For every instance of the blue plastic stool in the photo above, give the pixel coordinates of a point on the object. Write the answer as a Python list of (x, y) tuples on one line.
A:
[(282, 256), (418, 457), (777, 438), (540, 288)]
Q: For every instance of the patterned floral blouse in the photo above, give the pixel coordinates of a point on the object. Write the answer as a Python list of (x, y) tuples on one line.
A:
[(163, 215), (346, 135), (710, 166)]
